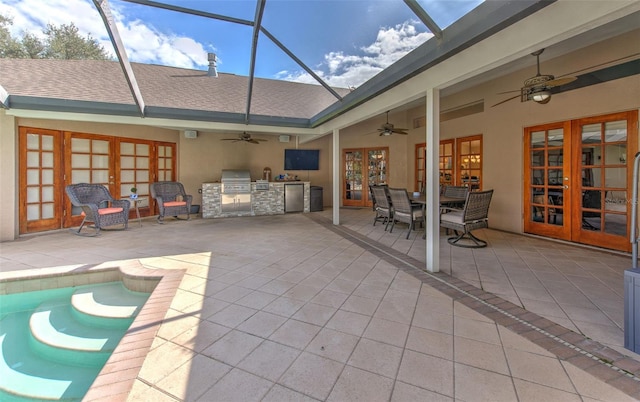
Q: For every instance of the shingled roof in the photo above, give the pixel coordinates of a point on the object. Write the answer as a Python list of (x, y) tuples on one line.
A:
[(161, 87)]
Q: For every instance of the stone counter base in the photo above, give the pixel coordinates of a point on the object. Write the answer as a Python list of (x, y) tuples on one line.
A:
[(263, 202)]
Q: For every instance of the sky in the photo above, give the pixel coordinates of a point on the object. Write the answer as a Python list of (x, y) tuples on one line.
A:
[(345, 42)]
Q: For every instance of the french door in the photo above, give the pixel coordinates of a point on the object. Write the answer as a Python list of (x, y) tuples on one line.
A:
[(41, 180), (363, 167), (579, 178), (51, 159)]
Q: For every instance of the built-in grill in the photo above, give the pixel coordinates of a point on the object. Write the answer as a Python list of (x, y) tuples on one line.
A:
[(236, 182)]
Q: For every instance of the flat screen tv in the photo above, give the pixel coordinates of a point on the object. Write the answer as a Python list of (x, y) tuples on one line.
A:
[(301, 159)]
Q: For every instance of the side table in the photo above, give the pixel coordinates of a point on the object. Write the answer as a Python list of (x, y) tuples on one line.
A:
[(135, 202)]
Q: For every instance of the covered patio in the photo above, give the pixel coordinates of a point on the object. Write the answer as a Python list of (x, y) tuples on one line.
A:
[(301, 309)]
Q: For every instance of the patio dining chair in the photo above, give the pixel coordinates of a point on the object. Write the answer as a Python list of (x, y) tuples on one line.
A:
[(172, 199), (473, 216), (98, 207), (382, 205), (404, 210)]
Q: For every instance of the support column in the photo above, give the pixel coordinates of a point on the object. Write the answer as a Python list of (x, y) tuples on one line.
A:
[(432, 192), (336, 177)]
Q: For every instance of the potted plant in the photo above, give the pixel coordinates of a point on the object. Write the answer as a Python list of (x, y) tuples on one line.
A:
[(134, 193)]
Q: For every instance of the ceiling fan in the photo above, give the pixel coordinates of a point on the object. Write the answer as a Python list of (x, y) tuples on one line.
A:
[(388, 128), (246, 137), (538, 87)]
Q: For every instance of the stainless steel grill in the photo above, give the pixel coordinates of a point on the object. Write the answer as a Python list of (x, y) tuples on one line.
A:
[(236, 182)]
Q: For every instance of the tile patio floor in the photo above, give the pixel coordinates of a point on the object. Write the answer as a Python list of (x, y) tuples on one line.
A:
[(291, 308)]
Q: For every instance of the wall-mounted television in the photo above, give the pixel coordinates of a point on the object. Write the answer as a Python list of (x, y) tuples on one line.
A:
[(301, 159)]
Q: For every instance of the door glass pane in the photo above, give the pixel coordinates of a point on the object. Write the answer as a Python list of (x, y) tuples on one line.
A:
[(33, 212), (142, 163), (47, 159), (142, 149), (127, 176), (168, 152), (33, 176), (615, 224), (100, 162), (47, 176), (142, 176), (538, 139), (161, 176), (33, 159), (556, 137), (100, 176), (591, 133), (126, 162), (615, 154), (591, 177), (537, 158), (100, 146), (80, 145), (556, 157), (47, 211), (126, 148), (615, 131), (79, 161), (80, 176), (47, 143), (33, 141), (615, 201), (555, 177), (615, 177), (33, 194), (47, 194)]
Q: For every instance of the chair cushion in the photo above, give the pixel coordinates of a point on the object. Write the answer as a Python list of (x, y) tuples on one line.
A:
[(453, 217), (105, 211), (174, 203)]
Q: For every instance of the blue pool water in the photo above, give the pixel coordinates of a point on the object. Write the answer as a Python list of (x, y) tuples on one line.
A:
[(53, 343)]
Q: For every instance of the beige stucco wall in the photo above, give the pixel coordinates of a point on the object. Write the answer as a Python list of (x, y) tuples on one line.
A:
[(8, 178)]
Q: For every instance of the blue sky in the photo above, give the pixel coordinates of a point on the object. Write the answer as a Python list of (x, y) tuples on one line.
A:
[(345, 42)]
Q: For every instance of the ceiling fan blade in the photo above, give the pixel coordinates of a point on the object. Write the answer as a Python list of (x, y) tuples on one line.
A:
[(506, 100), (229, 139), (252, 141), (399, 131), (560, 81)]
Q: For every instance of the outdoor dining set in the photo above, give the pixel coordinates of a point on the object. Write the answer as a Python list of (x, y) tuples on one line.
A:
[(461, 211)]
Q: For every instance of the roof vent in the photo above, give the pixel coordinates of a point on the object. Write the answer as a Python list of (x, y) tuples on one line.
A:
[(213, 61)]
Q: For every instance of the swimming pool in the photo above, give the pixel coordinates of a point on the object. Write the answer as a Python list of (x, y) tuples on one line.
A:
[(54, 342)]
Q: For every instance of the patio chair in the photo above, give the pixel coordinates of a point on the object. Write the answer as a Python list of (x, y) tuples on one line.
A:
[(473, 216), (383, 205), (98, 207), (172, 200), (404, 210)]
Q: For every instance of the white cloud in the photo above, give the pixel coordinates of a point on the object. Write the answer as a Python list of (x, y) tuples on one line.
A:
[(144, 44), (344, 70)]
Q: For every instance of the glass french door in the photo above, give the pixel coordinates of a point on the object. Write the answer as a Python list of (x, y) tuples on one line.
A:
[(41, 180), (578, 185), (51, 159), (363, 167)]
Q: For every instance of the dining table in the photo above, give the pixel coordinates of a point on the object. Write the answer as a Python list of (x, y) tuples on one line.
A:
[(444, 200)]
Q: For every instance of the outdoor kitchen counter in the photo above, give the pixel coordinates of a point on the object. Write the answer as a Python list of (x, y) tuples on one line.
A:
[(263, 202)]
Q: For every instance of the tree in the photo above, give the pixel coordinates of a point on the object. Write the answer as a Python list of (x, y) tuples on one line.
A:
[(9, 46), (64, 42), (58, 42)]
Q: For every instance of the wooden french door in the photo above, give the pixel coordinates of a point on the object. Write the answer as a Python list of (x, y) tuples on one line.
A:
[(41, 180), (51, 159), (578, 185), (363, 167)]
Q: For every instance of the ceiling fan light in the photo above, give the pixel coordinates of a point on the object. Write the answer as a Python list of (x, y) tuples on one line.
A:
[(541, 97)]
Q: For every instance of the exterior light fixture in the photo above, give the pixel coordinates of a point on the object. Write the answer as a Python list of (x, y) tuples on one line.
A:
[(542, 96)]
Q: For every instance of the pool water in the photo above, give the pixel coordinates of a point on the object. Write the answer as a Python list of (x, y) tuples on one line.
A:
[(53, 343)]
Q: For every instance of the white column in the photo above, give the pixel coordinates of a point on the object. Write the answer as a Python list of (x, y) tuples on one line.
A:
[(336, 177), (432, 228)]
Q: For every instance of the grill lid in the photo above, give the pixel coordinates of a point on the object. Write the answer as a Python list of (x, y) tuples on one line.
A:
[(232, 175)]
